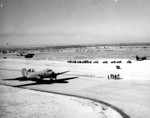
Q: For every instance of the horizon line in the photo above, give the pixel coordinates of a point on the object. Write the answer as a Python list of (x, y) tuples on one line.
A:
[(94, 44)]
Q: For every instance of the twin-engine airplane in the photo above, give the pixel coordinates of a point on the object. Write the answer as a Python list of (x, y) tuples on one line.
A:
[(40, 75)]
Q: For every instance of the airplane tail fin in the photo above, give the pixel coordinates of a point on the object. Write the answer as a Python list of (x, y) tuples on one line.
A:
[(137, 57), (24, 73), (62, 72)]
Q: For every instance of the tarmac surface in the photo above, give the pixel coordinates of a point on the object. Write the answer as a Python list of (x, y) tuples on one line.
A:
[(131, 97)]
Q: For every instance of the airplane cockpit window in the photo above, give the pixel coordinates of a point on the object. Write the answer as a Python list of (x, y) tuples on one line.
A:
[(31, 70)]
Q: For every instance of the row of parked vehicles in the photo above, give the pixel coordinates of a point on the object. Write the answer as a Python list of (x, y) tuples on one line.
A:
[(129, 61), (105, 62), (85, 61)]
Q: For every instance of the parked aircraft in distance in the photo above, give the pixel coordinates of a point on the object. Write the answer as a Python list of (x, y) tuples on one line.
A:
[(40, 75), (140, 58)]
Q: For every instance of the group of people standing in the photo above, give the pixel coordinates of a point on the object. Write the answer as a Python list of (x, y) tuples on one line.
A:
[(114, 76)]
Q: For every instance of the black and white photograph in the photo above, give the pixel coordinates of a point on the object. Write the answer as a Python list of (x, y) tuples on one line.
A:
[(74, 58)]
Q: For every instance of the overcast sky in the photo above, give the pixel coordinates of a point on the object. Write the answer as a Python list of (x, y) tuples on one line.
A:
[(36, 22)]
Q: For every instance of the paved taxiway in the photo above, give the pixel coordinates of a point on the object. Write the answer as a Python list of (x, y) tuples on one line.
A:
[(131, 96)]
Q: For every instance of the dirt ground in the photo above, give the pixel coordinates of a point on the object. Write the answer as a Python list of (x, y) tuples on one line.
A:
[(92, 52), (130, 93), (24, 103)]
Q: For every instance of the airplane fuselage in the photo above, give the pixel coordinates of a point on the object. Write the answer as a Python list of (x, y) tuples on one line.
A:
[(47, 73), (42, 74)]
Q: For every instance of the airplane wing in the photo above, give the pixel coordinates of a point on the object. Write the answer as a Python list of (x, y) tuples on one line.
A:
[(62, 72)]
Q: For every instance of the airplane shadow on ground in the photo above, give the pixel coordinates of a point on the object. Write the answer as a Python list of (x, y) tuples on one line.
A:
[(39, 82)]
